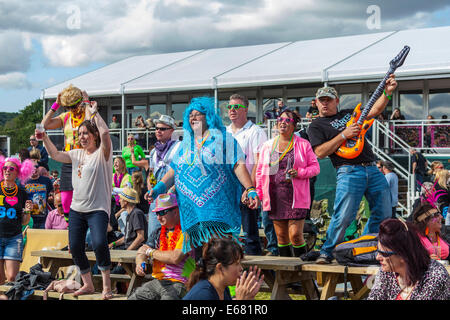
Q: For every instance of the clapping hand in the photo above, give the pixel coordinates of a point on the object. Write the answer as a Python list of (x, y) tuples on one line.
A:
[(249, 283)]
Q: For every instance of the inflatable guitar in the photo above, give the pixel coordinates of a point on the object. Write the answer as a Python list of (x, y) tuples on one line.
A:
[(351, 148)]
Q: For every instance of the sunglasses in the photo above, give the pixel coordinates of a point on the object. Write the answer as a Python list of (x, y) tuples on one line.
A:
[(386, 254), (285, 120), (10, 169), (33, 140), (162, 129), (196, 115), (163, 212), (235, 106)]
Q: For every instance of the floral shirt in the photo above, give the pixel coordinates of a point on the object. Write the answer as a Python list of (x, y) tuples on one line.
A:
[(435, 285)]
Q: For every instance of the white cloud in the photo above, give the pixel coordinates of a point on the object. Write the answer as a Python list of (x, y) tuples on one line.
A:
[(14, 80)]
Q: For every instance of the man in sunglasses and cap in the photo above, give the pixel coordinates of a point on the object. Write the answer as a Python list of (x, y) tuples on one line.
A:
[(160, 158), (250, 138), (165, 256), (356, 177)]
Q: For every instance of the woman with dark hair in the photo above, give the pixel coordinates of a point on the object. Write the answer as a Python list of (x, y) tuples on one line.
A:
[(91, 204), (220, 267), (286, 163), (428, 220), (407, 272)]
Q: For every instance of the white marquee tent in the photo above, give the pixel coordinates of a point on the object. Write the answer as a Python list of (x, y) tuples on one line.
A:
[(333, 60)]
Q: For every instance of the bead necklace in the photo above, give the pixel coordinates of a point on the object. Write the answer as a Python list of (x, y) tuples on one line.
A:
[(199, 147), (9, 194), (288, 148)]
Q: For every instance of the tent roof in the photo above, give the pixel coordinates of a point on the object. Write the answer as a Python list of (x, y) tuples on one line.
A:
[(340, 59)]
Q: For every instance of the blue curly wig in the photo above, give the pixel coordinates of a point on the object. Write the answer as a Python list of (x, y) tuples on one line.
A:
[(204, 105)]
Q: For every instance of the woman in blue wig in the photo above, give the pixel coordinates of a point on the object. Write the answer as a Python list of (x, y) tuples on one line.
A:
[(210, 177)]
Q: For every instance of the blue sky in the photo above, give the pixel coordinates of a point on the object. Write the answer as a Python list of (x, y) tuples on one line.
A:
[(59, 40)]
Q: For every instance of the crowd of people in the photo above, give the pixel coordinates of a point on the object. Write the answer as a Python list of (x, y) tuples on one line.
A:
[(184, 205)]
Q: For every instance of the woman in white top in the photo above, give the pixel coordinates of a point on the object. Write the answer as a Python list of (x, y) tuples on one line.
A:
[(91, 203)]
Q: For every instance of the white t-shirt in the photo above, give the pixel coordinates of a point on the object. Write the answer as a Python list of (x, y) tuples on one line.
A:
[(250, 138), (91, 180)]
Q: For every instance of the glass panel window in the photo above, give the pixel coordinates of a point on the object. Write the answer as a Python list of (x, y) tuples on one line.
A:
[(178, 110), (439, 103), (411, 105), (349, 101), (156, 110), (133, 112)]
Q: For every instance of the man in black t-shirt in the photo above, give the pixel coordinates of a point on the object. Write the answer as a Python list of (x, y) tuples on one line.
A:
[(38, 189), (356, 177), (419, 167)]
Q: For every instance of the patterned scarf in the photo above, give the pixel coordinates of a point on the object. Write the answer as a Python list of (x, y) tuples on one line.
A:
[(117, 182), (162, 149)]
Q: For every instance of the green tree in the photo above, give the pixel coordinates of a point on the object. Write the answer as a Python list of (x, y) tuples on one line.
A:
[(22, 126)]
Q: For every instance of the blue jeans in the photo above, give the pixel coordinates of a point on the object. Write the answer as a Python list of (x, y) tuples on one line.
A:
[(11, 248), (153, 225), (354, 182), (269, 231), (97, 222), (249, 220)]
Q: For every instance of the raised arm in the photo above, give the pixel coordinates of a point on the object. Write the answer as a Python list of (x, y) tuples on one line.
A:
[(102, 129), (49, 121), (53, 152)]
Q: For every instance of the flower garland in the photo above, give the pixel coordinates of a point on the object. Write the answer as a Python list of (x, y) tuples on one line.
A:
[(170, 245)]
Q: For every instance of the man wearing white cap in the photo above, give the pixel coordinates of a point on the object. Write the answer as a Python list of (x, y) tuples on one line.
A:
[(169, 267), (355, 177)]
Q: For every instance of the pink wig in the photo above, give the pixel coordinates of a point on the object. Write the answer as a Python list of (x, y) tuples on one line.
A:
[(25, 169)]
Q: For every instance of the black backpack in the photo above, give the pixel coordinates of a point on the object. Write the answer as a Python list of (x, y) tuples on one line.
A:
[(359, 252)]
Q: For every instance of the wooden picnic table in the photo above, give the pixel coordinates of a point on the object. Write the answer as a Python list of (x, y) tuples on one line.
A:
[(56, 259), (329, 275), (279, 272)]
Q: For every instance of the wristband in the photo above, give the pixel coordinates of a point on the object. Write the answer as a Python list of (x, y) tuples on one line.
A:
[(250, 188), (55, 106), (114, 244), (388, 96), (252, 194), (343, 136), (27, 211)]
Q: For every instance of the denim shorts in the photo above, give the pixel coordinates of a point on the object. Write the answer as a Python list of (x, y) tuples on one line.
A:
[(11, 248)]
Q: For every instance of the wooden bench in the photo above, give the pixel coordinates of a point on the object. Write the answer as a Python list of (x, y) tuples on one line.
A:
[(329, 275), (279, 272)]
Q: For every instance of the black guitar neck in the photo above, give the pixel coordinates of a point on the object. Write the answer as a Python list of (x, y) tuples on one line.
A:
[(394, 64)]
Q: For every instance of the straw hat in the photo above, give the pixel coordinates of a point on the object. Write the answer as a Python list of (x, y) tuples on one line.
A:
[(129, 195), (165, 201)]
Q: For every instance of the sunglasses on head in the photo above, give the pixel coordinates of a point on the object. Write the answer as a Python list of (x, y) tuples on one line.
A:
[(10, 169), (162, 129), (285, 120), (163, 212), (236, 106), (386, 254)]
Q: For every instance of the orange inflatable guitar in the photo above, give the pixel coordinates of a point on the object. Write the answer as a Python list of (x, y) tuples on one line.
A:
[(351, 148)]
